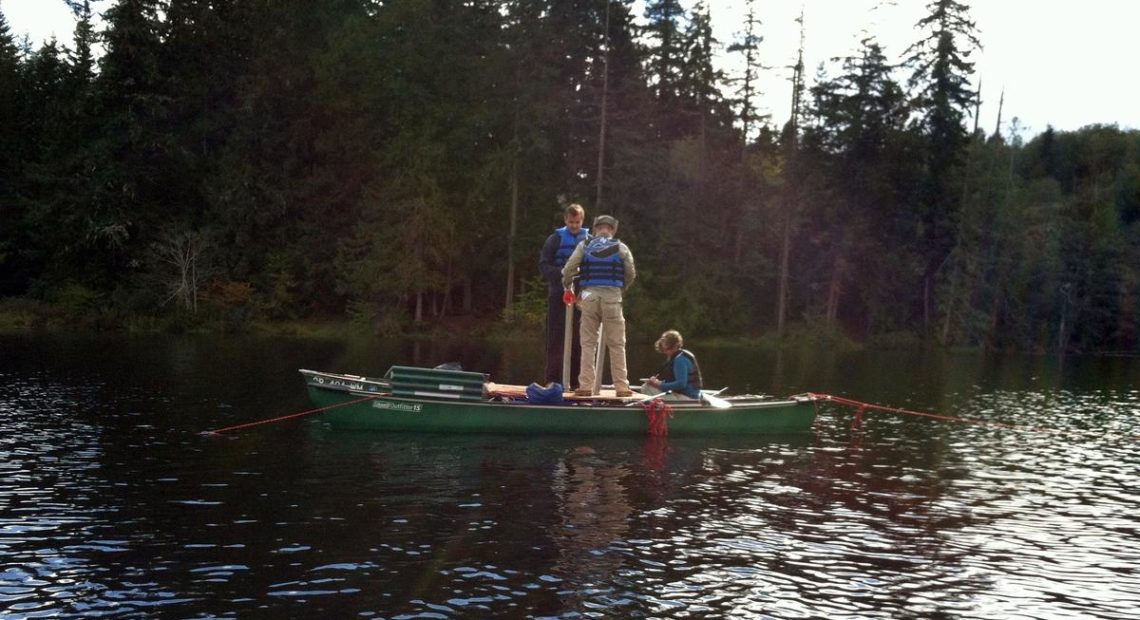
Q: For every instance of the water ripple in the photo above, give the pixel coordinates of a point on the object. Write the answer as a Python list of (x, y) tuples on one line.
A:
[(111, 505)]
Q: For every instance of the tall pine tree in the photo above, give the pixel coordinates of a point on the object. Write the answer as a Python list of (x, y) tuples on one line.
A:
[(940, 79)]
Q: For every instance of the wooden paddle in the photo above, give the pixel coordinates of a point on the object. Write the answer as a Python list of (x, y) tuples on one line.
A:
[(715, 401), (649, 400)]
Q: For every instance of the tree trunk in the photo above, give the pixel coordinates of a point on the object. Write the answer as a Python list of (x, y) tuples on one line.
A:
[(445, 306), (782, 294), (1126, 320), (604, 111), (835, 291), (790, 187), (995, 317), (949, 305), (1062, 335), (926, 302), (182, 251), (514, 224)]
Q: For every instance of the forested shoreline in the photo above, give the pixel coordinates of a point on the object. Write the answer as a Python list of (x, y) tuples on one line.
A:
[(399, 163)]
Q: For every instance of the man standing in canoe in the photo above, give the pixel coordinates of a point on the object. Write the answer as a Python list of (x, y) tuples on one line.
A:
[(558, 247), (605, 269)]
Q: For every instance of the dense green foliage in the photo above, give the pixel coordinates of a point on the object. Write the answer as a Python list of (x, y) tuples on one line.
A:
[(398, 162)]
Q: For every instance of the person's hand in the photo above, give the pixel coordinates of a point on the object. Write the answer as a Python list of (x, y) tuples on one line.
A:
[(654, 381), (568, 297)]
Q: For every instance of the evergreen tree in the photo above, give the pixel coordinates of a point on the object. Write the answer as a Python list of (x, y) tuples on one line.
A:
[(746, 84), (700, 80), (406, 160), (11, 154), (126, 176), (941, 72), (442, 108), (82, 57), (790, 198), (48, 196), (862, 115), (290, 165), (666, 55), (978, 266), (10, 104)]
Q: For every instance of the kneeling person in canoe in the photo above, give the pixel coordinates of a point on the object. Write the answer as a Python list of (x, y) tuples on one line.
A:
[(681, 374)]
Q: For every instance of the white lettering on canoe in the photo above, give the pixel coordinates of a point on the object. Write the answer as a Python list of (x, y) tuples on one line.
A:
[(331, 382), (393, 406)]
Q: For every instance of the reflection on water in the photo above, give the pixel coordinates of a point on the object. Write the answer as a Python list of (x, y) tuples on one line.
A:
[(112, 504)]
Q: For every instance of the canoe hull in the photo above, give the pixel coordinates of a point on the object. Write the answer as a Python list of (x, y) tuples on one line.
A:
[(358, 403)]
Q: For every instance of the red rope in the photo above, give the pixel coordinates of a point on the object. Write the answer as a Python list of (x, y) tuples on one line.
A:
[(659, 413), (862, 406), (287, 417)]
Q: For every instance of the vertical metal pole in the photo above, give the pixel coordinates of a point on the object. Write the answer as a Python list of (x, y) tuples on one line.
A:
[(567, 347), (599, 362)]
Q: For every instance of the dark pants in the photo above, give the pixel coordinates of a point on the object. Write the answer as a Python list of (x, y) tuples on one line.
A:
[(555, 337)]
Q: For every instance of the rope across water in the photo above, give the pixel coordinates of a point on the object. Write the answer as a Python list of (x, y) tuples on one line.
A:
[(286, 417), (862, 406)]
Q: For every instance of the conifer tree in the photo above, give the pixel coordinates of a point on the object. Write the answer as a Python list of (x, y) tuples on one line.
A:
[(940, 79), (665, 56), (664, 59), (126, 185), (700, 80), (82, 57), (746, 89), (792, 181), (11, 150), (10, 92)]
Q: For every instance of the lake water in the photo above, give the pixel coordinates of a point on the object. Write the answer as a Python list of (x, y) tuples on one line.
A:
[(113, 504)]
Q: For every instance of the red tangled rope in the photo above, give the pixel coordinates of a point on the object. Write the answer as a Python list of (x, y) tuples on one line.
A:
[(659, 413)]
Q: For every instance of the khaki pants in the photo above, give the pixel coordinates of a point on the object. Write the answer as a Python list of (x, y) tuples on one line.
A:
[(601, 306)]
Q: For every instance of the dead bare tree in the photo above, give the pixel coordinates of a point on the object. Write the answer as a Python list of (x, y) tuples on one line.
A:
[(182, 250)]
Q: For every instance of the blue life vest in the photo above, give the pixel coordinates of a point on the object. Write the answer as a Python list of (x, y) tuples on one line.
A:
[(567, 243), (602, 264), (695, 383)]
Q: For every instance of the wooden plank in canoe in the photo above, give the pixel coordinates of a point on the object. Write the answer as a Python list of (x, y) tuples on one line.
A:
[(519, 391), (605, 394)]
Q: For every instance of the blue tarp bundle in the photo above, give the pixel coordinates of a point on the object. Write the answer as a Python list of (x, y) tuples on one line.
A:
[(539, 395)]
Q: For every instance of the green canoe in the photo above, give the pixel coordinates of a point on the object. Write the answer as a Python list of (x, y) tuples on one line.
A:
[(433, 400)]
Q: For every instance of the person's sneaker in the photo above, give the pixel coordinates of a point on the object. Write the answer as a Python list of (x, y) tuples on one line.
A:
[(580, 392), (624, 393)]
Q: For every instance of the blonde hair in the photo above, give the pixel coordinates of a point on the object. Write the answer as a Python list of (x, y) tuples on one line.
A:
[(574, 209), (669, 340)]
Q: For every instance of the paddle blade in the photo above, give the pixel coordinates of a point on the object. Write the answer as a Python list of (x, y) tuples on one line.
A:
[(715, 401)]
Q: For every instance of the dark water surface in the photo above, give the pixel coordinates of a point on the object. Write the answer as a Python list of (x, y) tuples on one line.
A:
[(113, 504)]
